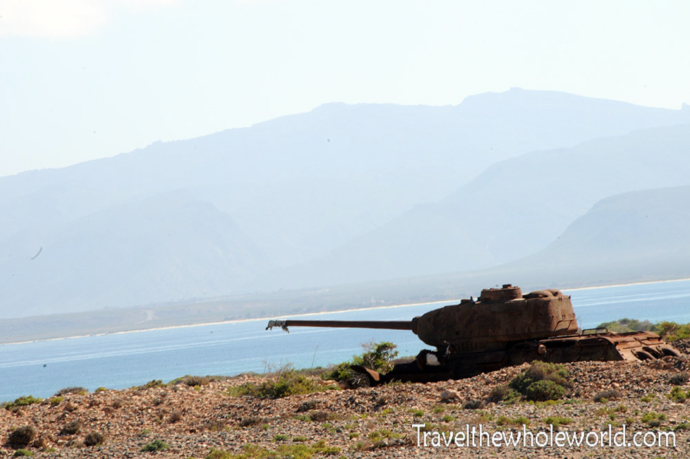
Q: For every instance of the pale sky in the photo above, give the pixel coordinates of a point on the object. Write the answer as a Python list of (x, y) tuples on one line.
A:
[(84, 79)]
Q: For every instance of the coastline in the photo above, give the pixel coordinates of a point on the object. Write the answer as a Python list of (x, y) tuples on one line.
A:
[(234, 321)]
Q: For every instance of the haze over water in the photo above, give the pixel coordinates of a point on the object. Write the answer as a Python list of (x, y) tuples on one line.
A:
[(122, 360)]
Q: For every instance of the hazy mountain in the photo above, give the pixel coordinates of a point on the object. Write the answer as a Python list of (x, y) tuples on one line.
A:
[(164, 248), (515, 208), (273, 196), (641, 235)]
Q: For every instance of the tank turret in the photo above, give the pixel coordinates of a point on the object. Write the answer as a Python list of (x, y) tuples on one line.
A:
[(499, 317)]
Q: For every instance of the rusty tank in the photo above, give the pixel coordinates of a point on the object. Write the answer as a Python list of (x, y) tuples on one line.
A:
[(501, 328)]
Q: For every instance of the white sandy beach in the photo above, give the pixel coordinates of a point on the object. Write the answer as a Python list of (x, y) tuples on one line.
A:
[(310, 314)]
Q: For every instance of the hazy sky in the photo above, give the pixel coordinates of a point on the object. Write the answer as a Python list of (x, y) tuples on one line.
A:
[(82, 79)]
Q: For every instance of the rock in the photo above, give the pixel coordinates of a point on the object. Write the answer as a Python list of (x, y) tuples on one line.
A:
[(449, 395)]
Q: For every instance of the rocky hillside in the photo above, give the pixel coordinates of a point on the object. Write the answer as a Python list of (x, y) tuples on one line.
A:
[(205, 418)]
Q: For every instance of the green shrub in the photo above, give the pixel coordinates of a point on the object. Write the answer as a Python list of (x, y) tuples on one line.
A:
[(23, 452), (541, 381), (558, 421), (678, 394), (672, 331), (281, 437), (539, 371), (55, 401), (376, 356), (154, 383), (156, 445), (540, 391), (284, 383), (652, 419), (23, 401), (518, 421)]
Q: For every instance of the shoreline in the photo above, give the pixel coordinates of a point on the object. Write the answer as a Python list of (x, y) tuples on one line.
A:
[(205, 324)]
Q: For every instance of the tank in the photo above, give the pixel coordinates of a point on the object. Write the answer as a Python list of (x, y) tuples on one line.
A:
[(501, 328)]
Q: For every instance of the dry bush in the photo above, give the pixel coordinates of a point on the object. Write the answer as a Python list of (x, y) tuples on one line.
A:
[(21, 437), (94, 439), (250, 421), (606, 395), (318, 416), (72, 390), (71, 428), (307, 406)]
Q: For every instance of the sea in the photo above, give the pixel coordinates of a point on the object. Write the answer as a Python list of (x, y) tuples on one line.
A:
[(121, 360)]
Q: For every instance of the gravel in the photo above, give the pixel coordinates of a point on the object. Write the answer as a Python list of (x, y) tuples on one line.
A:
[(362, 423)]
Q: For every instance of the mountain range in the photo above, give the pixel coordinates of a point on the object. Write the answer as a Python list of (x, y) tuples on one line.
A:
[(344, 193)]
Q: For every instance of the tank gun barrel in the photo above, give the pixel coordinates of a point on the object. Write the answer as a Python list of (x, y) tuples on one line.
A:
[(380, 324)]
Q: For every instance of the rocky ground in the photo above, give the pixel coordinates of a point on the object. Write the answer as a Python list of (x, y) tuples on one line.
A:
[(369, 422)]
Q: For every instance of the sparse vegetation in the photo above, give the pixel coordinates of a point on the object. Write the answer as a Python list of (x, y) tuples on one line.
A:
[(653, 419), (23, 453), (156, 445), (558, 421), (283, 383), (683, 426), (670, 331), (297, 451), (22, 401), (678, 394), (504, 421)]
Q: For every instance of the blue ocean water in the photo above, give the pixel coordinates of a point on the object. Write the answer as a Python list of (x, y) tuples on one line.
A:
[(122, 360)]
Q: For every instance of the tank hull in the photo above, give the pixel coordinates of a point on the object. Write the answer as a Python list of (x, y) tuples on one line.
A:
[(575, 348)]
